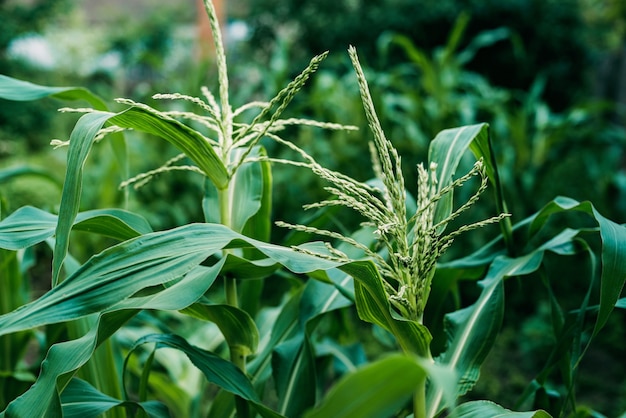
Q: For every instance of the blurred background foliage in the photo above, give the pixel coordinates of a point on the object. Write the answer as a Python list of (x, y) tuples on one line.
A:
[(549, 76)]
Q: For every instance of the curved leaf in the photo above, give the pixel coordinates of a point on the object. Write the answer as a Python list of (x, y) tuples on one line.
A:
[(81, 141), (447, 149), (613, 237), (18, 90), (238, 328), (217, 370), (108, 279), (10, 173), (62, 360), (186, 139), (373, 306), (28, 226), (80, 399), (481, 409), (378, 389), (472, 330)]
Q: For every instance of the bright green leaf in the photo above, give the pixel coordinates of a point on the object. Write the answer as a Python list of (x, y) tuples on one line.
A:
[(482, 409)]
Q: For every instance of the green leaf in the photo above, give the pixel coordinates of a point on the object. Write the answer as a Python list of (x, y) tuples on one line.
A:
[(447, 149), (65, 358), (238, 328), (81, 140), (373, 306), (28, 226), (18, 90), (481, 409), (80, 399), (379, 389), (217, 370), (109, 279), (293, 366), (186, 139), (10, 173), (25, 227), (472, 330), (613, 237), (62, 360)]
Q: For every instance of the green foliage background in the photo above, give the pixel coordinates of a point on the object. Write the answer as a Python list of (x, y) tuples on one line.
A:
[(532, 83)]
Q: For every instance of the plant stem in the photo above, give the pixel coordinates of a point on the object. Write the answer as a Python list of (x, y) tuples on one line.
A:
[(419, 400)]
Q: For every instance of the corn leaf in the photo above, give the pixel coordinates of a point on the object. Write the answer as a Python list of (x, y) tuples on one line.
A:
[(379, 389), (236, 325), (80, 399), (613, 238), (481, 409), (373, 306), (28, 226), (18, 90), (217, 370)]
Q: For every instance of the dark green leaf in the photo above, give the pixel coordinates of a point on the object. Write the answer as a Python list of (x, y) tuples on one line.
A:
[(80, 400)]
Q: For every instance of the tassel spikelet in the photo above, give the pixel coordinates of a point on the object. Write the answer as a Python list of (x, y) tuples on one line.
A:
[(412, 244)]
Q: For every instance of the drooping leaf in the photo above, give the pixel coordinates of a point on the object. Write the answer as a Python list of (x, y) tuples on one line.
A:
[(482, 409), (62, 360), (378, 389), (19, 90), (236, 325), (10, 173), (28, 226), (613, 237), (186, 139), (108, 279), (80, 399), (217, 370), (67, 357)]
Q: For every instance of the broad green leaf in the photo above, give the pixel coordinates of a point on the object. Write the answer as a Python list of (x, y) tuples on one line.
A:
[(18, 90), (62, 360), (378, 389), (373, 306), (191, 142), (25, 227), (80, 399), (117, 273), (217, 370), (186, 139), (472, 330), (67, 357), (28, 226), (446, 151), (293, 367), (482, 409), (238, 328), (613, 238)]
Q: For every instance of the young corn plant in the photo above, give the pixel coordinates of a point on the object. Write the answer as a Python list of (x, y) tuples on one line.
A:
[(213, 273)]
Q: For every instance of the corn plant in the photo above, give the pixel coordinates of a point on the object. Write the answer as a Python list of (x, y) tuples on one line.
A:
[(256, 360)]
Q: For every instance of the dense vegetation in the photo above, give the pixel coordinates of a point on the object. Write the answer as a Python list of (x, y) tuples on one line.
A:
[(113, 291)]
